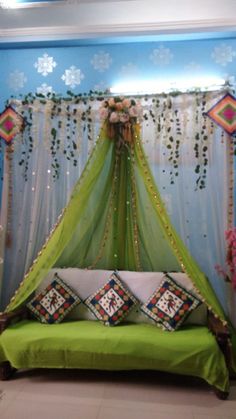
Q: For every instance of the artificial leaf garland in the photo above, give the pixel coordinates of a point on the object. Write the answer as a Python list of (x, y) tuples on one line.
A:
[(70, 115)]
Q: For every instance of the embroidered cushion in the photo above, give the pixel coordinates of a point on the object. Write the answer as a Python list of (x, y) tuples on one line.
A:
[(54, 302), (170, 304), (111, 303), (85, 282)]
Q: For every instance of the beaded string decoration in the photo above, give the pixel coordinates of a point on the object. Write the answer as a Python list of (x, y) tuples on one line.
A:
[(11, 123), (9, 152)]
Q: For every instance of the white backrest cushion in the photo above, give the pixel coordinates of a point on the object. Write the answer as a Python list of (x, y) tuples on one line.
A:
[(142, 284)]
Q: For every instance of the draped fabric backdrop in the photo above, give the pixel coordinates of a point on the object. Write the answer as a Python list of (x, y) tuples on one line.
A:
[(188, 154)]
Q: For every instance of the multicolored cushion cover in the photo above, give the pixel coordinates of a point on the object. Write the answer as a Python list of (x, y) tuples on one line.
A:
[(170, 304), (53, 303), (111, 303)]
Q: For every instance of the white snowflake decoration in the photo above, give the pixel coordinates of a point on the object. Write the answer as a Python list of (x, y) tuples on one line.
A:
[(45, 65), (161, 56), (17, 80), (223, 54), (129, 70), (44, 89), (193, 67), (101, 61), (101, 86), (72, 76)]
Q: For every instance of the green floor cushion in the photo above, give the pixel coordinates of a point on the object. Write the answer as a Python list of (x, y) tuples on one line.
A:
[(191, 350)]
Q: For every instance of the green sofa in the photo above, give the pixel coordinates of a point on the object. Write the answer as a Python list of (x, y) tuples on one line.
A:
[(192, 350), (80, 342)]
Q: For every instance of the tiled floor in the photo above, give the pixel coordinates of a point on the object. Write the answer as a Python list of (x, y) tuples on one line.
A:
[(42, 394)]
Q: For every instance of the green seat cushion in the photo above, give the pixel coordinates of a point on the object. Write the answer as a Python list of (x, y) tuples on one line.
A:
[(191, 350)]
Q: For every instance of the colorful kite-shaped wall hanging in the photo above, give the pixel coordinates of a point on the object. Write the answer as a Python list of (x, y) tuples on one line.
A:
[(11, 123), (224, 113)]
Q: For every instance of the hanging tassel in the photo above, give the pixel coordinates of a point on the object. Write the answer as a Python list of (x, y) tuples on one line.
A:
[(128, 132), (8, 241), (111, 131)]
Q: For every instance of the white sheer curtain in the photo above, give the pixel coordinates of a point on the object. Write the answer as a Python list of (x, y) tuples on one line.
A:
[(200, 216), (38, 201)]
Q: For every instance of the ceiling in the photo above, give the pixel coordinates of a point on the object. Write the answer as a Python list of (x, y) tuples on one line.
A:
[(101, 21)]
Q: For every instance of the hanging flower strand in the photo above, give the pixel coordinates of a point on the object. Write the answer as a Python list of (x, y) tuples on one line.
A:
[(120, 114), (229, 274)]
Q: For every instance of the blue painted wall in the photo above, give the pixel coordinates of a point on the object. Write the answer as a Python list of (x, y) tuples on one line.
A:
[(100, 66), (97, 67)]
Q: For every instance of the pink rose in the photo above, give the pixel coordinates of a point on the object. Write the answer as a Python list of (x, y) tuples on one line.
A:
[(133, 111), (126, 103), (114, 117), (124, 117), (119, 106), (103, 112), (111, 101)]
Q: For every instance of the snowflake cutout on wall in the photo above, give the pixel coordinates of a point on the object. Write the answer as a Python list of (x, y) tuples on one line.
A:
[(45, 65), (161, 56), (193, 67), (101, 61), (44, 89), (17, 80), (223, 54), (72, 76), (101, 86), (129, 70)]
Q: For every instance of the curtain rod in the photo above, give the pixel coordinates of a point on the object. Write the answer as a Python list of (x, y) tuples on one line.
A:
[(94, 95)]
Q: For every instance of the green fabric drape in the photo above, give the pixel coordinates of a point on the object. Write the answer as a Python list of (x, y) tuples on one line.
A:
[(115, 219), (82, 344)]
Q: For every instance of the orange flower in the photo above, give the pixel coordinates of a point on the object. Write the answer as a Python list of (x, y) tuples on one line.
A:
[(119, 106)]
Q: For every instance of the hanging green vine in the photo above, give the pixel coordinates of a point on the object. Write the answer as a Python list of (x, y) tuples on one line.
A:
[(28, 143), (173, 142), (201, 149), (73, 114)]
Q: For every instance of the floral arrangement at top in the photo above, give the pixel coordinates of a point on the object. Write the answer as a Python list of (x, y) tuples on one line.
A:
[(120, 114), (229, 275)]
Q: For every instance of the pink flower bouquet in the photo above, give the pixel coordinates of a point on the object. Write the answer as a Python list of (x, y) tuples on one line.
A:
[(230, 273), (120, 115), (120, 110)]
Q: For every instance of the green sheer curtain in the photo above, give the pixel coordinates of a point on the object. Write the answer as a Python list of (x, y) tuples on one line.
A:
[(115, 219)]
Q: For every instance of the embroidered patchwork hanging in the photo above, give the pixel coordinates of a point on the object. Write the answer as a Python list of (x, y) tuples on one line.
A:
[(11, 123), (224, 113)]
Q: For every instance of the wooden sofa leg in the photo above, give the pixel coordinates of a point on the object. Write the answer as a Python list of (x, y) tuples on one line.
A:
[(222, 395), (6, 371)]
